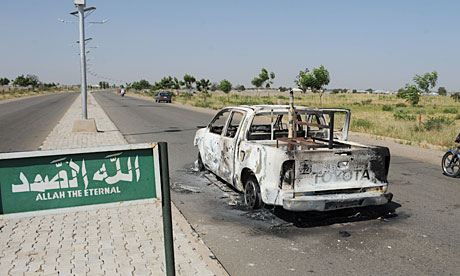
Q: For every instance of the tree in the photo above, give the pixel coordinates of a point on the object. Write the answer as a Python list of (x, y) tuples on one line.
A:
[(369, 90), (282, 89), (142, 84), (315, 80), (4, 81), (336, 91), (240, 87), (104, 84), (426, 81), (226, 86), (189, 80), (299, 78), (263, 78), (412, 94), (214, 86), (177, 83), (257, 83), (322, 79), (32, 80), (164, 83), (402, 93), (442, 91), (21, 81), (203, 86), (456, 96)]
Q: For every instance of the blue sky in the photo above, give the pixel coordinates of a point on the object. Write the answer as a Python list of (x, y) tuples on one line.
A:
[(363, 44)]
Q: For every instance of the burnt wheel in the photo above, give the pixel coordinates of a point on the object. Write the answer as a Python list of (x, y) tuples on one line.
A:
[(252, 196), (451, 164)]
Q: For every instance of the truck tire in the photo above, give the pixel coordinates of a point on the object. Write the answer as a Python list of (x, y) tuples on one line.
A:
[(252, 196)]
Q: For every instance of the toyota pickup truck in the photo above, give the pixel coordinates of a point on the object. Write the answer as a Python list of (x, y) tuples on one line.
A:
[(313, 168)]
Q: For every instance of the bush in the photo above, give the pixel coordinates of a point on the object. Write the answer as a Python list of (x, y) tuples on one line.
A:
[(387, 107), (451, 110), (362, 123), (401, 105), (436, 123), (456, 96), (403, 114), (457, 117), (366, 102)]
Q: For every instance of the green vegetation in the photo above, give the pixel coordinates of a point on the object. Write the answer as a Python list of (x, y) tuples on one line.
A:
[(104, 84), (385, 115), (362, 124), (263, 78), (450, 110), (387, 107), (315, 80), (4, 81), (203, 86), (225, 86), (442, 91), (422, 83), (142, 84)]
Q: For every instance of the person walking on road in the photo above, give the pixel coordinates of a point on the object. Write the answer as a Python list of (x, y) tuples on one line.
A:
[(122, 92)]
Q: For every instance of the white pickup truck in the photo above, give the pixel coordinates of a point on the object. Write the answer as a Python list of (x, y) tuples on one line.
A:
[(315, 168)]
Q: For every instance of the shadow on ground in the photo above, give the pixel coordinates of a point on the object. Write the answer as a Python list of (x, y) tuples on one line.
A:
[(314, 219)]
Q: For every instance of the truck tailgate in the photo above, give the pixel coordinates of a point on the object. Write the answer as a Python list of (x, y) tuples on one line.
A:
[(340, 170)]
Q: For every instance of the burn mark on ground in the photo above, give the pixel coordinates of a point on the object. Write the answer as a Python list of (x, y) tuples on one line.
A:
[(273, 219)]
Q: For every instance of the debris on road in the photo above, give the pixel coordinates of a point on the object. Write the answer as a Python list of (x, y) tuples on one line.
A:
[(181, 188)]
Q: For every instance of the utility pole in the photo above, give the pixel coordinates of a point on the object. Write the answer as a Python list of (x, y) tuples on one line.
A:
[(81, 15), (80, 5)]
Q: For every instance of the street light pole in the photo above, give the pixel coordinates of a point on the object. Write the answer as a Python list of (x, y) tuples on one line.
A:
[(81, 15)]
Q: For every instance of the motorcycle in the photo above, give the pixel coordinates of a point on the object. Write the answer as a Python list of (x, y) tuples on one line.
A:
[(451, 161)]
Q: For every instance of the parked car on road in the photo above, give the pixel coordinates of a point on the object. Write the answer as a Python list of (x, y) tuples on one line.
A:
[(163, 97), (304, 163)]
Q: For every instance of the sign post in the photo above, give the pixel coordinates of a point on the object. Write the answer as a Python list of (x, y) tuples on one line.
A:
[(166, 206)]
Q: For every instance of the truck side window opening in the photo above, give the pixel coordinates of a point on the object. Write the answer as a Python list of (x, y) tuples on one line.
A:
[(261, 127), (234, 124), (218, 123)]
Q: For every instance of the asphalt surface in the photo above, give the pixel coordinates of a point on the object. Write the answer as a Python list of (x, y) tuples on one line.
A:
[(25, 123), (416, 234)]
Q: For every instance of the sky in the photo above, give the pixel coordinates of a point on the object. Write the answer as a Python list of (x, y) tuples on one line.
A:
[(363, 44)]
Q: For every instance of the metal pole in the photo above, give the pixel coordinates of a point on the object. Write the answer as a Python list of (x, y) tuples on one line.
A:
[(81, 15), (291, 114), (331, 130), (166, 206)]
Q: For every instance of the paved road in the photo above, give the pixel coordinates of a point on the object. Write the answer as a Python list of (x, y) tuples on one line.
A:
[(25, 123), (417, 234)]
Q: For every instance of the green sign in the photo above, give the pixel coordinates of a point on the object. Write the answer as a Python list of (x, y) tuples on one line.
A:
[(32, 181)]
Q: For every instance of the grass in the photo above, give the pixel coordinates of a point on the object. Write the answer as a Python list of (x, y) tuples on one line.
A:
[(434, 121)]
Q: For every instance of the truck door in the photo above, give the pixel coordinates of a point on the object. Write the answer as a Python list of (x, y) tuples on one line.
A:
[(229, 144), (212, 142)]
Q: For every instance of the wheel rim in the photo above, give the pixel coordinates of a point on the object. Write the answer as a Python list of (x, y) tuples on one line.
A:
[(451, 164), (250, 196)]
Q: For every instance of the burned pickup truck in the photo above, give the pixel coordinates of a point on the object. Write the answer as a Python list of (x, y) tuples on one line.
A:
[(295, 157)]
